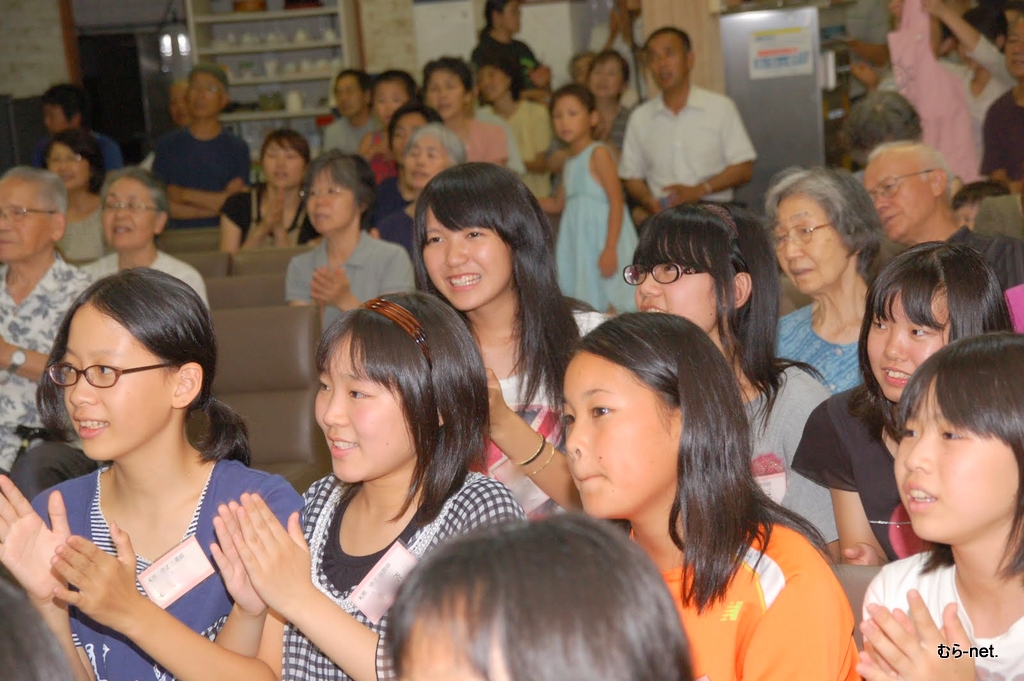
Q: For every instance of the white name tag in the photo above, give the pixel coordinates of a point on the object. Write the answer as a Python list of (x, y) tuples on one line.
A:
[(176, 573), (376, 592)]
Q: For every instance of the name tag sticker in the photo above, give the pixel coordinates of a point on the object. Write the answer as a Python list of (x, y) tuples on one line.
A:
[(526, 492), (176, 573), (376, 592)]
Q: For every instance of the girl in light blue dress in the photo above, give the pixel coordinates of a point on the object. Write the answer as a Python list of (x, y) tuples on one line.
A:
[(596, 236)]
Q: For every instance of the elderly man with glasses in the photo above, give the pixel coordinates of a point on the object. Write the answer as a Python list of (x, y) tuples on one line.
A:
[(909, 185), (36, 289)]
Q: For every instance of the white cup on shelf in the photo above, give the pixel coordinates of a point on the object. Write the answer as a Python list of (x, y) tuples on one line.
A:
[(305, 65), (329, 35), (301, 36), (294, 101), (270, 67)]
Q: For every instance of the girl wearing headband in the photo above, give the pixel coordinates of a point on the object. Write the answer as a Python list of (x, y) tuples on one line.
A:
[(133, 358), (403, 405), (714, 265)]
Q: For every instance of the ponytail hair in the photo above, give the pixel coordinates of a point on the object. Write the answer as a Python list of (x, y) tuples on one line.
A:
[(171, 321)]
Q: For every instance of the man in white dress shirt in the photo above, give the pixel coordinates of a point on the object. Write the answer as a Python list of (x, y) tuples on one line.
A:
[(688, 144)]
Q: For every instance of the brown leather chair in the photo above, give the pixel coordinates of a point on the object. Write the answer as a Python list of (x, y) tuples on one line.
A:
[(855, 580), (209, 263), (175, 241), (258, 290), (266, 372), (265, 261)]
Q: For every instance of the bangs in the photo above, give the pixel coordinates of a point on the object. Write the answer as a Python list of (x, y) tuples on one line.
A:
[(917, 295), (971, 391), (379, 350), (689, 245)]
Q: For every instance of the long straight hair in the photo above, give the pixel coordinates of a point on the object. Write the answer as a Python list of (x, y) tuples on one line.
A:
[(443, 390), (723, 242), (975, 383), (916, 279), (719, 510), (485, 195)]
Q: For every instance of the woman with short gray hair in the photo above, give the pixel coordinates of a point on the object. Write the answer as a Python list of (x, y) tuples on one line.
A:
[(134, 211), (826, 234), (348, 266), (430, 150)]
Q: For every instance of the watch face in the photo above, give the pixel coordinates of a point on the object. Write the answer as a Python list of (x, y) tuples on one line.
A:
[(18, 358)]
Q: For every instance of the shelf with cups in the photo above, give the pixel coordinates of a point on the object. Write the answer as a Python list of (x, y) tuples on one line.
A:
[(243, 116), (238, 81), (255, 48), (238, 17)]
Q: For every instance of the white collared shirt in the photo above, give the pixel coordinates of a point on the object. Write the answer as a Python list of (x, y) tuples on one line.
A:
[(688, 148)]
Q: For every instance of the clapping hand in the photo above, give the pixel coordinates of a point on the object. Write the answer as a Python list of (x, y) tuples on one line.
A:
[(898, 647), (26, 544), (330, 286)]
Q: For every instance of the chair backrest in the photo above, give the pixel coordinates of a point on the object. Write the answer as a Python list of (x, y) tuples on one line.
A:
[(266, 372), (855, 580), (265, 261), (258, 290), (175, 241), (209, 263)]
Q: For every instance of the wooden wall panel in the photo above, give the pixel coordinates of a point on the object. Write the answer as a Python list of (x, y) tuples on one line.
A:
[(693, 17)]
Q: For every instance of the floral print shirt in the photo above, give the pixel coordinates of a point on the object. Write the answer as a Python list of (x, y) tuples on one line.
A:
[(31, 325)]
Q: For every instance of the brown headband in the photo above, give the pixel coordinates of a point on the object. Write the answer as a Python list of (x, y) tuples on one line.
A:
[(404, 319), (722, 212)]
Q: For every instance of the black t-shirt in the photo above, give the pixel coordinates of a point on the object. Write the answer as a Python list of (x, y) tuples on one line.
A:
[(239, 208), (516, 51), (839, 451), (347, 571), (1005, 255)]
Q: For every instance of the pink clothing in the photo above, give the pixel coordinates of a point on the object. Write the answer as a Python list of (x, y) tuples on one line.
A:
[(487, 142), (936, 93), (1015, 301)]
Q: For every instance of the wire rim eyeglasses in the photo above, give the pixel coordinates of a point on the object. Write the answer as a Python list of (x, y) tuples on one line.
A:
[(97, 375)]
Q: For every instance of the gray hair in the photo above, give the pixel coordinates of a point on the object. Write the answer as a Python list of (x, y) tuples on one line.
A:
[(453, 146), (51, 190), (349, 171), (847, 204), (929, 157), (154, 185), (881, 117)]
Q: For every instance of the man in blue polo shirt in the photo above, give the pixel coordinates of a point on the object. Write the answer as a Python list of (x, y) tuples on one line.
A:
[(64, 108), (202, 163)]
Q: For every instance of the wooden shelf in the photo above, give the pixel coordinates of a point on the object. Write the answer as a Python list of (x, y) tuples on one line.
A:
[(282, 78), (243, 116), (241, 17), (256, 48)]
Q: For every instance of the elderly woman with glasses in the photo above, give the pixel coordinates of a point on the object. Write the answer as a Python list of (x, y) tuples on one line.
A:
[(826, 236), (135, 210)]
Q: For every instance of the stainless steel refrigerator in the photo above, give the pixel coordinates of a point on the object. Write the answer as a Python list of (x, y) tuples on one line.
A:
[(790, 82)]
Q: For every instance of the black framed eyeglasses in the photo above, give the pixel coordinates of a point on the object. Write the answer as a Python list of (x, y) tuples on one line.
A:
[(665, 273), (98, 375)]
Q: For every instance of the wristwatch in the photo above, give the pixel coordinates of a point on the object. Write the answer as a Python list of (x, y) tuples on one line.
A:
[(18, 359)]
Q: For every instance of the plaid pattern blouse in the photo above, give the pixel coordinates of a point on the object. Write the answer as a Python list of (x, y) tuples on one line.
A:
[(480, 501)]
